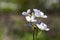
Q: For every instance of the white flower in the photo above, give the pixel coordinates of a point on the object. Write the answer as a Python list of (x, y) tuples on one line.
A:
[(42, 26), (26, 13), (38, 13), (30, 19)]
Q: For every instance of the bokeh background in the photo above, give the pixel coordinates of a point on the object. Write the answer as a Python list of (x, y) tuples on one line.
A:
[(13, 24)]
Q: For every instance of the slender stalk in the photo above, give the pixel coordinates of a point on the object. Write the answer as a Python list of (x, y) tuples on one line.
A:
[(35, 32)]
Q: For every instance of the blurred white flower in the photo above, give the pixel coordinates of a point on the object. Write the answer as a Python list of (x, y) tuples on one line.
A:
[(38, 13), (42, 26), (30, 19), (26, 13)]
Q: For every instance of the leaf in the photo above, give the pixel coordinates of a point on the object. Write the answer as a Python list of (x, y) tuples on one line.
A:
[(41, 35)]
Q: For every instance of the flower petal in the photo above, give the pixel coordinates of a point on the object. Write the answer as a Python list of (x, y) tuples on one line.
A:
[(35, 10), (24, 13), (41, 13), (42, 26), (28, 18), (47, 29), (28, 11), (44, 16), (37, 15)]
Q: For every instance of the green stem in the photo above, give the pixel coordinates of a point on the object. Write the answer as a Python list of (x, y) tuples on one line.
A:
[(35, 32)]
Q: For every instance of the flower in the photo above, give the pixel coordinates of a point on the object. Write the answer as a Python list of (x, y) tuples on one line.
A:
[(42, 26), (30, 19), (38, 13), (26, 13)]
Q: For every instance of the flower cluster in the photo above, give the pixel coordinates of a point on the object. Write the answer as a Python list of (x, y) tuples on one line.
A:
[(32, 17)]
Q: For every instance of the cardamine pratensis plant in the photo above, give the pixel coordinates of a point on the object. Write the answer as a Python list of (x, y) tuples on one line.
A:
[(34, 17)]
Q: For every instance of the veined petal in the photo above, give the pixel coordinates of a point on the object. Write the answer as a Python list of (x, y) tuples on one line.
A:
[(47, 29), (42, 26), (39, 26), (24, 13), (37, 15), (41, 13), (44, 16), (35, 10), (28, 11), (28, 18)]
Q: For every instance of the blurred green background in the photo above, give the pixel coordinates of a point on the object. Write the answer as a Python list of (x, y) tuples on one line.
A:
[(13, 24)]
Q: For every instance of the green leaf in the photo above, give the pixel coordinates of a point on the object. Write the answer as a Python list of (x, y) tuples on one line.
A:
[(41, 35)]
